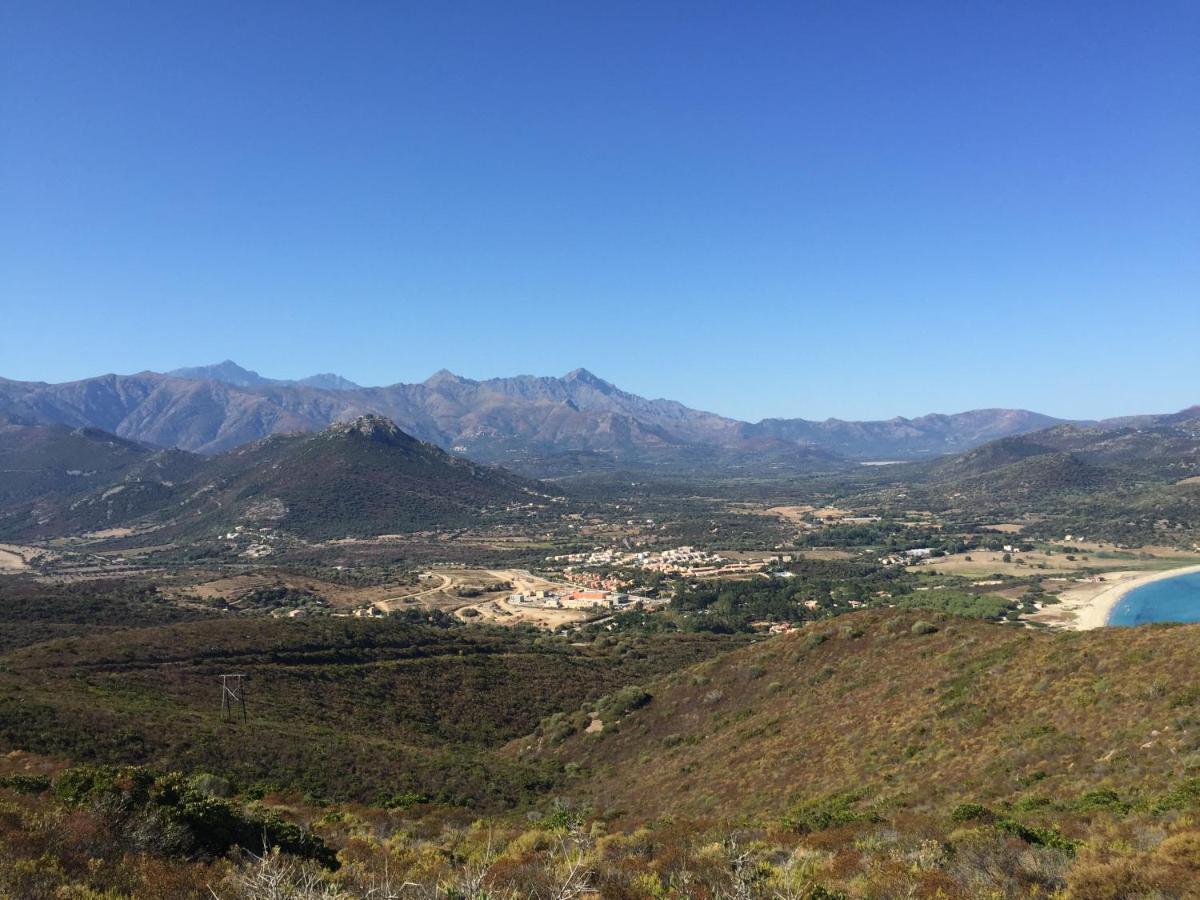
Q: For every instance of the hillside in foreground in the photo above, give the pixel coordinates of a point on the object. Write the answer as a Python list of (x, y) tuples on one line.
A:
[(878, 754), (348, 708), (911, 710)]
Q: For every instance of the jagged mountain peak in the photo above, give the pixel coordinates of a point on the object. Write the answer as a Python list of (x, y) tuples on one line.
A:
[(445, 377), (376, 428), (583, 376), (227, 371)]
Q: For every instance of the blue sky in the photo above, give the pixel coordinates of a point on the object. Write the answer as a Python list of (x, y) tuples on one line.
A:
[(790, 209)]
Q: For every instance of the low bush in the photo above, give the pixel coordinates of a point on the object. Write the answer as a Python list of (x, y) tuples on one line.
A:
[(827, 811), (165, 814)]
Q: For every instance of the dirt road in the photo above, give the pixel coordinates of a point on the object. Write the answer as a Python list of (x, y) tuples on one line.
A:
[(389, 603)]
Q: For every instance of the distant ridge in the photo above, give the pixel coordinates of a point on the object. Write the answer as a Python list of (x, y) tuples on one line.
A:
[(230, 372), (527, 421)]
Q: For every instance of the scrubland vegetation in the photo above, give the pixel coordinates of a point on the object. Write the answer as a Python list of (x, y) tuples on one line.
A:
[(875, 754)]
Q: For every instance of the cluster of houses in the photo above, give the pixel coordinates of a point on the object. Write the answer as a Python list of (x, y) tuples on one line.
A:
[(598, 557), (253, 545), (908, 557), (675, 560), (684, 560), (597, 581), (587, 599), (678, 559)]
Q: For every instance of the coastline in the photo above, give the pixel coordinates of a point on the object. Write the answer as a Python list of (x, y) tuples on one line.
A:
[(1088, 606)]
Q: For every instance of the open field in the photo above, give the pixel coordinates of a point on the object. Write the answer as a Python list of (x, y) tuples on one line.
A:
[(233, 587), (795, 514), (443, 589), (109, 533), (15, 558), (826, 553), (501, 612), (1087, 556), (991, 562)]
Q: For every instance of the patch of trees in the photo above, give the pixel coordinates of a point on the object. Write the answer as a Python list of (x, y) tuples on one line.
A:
[(817, 588)]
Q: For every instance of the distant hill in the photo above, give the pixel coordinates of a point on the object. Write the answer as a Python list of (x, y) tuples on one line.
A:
[(41, 460), (1165, 448), (55, 479), (902, 438), (365, 477), (1129, 483), (360, 478), (512, 421)]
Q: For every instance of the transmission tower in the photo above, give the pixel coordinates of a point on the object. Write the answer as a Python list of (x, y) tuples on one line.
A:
[(233, 698)]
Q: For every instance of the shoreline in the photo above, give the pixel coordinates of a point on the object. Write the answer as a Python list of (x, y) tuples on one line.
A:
[(1090, 608)]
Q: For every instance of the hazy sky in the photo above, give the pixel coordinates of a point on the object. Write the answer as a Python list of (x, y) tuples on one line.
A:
[(789, 209)]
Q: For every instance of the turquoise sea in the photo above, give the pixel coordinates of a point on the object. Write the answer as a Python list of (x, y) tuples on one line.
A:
[(1170, 600)]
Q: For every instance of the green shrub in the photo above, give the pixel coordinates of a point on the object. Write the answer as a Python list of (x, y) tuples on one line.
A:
[(972, 812), (626, 700), (1101, 800), (1189, 697), (1184, 795), (168, 815), (827, 811), (1041, 837), (26, 784), (211, 785), (406, 800)]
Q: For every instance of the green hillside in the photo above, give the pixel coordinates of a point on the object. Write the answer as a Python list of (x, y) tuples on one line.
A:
[(56, 480), (360, 478), (349, 708)]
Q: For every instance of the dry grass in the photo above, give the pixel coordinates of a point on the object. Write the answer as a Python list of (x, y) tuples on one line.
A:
[(15, 557), (233, 587), (794, 514)]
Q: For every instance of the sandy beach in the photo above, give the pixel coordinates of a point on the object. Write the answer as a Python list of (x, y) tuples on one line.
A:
[(1087, 605)]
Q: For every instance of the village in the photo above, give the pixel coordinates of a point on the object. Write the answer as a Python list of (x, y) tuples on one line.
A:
[(685, 560)]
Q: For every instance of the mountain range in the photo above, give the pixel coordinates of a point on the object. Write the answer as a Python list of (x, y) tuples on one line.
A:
[(211, 409)]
